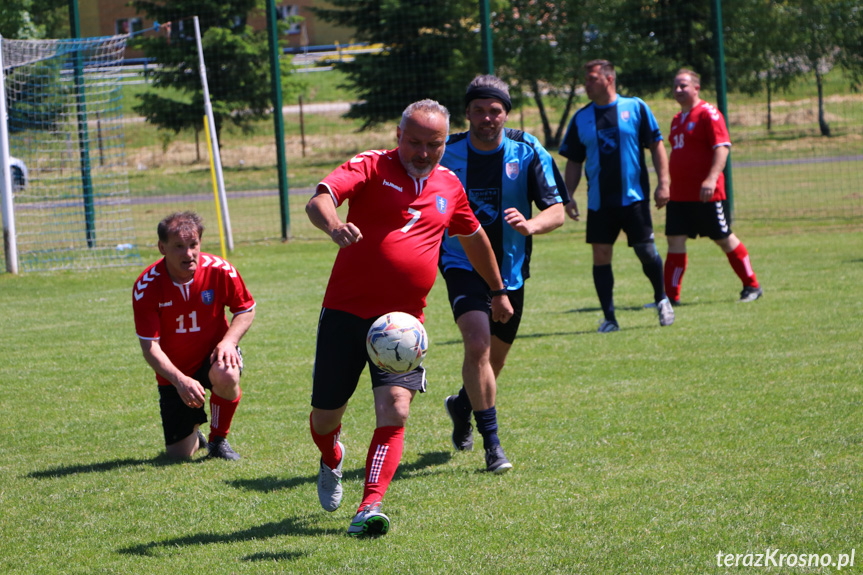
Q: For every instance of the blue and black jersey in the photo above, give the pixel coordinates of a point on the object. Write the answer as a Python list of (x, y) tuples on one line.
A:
[(610, 141), (518, 173)]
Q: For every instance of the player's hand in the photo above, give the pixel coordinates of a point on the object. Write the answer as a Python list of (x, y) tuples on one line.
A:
[(572, 210), (191, 391), (501, 308), (661, 196), (518, 222), (708, 187), (346, 234), (226, 355)]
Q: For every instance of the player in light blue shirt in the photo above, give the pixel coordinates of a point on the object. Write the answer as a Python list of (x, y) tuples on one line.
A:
[(608, 137)]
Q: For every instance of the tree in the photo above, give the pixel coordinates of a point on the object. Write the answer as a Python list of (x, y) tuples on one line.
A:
[(32, 19), (235, 56), (430, 50)]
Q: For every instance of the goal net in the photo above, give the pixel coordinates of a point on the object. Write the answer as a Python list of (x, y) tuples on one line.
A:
[(70, 187)]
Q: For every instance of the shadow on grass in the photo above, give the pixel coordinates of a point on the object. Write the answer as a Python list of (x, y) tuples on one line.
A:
[(285, 556), (288, 526), (272, 483), (101, 467)]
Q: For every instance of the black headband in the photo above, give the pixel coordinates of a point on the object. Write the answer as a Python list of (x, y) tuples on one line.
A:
[(483, 92)]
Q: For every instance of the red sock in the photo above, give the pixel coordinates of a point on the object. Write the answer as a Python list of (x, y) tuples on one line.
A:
[(328, 444), (739, 260), (675, 266), (221, 414), (385, 453)]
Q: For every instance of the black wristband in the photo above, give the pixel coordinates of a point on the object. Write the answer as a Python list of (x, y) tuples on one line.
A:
[(497, 292)]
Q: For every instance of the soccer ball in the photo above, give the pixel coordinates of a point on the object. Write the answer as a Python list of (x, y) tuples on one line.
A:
[(397, 342)]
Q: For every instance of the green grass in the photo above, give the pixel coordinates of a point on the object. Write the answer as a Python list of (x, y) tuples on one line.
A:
[(646, 451)]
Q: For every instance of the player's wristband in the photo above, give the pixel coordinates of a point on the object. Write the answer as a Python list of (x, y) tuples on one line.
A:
[(497, 292)]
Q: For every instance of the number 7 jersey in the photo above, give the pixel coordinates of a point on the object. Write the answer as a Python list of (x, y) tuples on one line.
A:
[(188, 319)]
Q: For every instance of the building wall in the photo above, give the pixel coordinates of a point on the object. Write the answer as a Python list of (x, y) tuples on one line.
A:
[(101, 17)]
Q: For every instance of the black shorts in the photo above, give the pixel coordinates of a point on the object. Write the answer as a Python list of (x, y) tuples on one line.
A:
[(605, 224), (693, 219), (340, 356), (178, 419), (468, 292)]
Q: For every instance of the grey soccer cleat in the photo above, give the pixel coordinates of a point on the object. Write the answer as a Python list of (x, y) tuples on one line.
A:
[(462, 431), (221, 449), (496, 461), (665, 311), (330, 483), (370, 522), (608, 327), (750, 294)]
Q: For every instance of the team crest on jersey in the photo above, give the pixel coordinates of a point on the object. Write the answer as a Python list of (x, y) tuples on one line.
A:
[(624, 115), (690, 126), (485, 203), (207, 296), (440, 204), (512, 170)]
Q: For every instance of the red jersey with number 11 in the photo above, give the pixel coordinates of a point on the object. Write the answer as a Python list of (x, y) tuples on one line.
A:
[(402, 220), (188, 319), (693, 138)]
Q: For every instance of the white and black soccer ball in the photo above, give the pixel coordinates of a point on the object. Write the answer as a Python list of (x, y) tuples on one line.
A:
[(397, 342)]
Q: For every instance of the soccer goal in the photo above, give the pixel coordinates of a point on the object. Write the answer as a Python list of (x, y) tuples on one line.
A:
[(65, 188)]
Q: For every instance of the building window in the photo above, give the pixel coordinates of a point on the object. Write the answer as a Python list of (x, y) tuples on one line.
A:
[(128, 25), (289, 13)]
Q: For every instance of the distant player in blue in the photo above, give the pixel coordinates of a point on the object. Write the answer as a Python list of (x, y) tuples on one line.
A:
[(608, 137), (503, 171)]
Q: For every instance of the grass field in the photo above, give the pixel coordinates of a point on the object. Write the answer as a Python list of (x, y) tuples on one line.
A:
[(737, 430)]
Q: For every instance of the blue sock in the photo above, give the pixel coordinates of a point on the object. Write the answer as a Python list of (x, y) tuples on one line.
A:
[(486, 424)]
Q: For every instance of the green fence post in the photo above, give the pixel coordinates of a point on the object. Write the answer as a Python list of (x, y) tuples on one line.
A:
[(83, 137), (487, 55), (722, 93), (278, 118)]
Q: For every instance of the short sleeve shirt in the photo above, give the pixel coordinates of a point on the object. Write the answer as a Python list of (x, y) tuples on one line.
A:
[(694, 137), (188, 319), (610, 140), (402, 220), (519, 173)]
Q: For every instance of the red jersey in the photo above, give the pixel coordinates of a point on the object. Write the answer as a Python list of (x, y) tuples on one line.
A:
[(188, 319), (402, 220), (693, 138)]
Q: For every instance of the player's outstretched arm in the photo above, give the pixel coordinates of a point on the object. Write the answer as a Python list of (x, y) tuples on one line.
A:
[(321, 210), (226, 350), (479, 251), (190, 390), (545, 221)]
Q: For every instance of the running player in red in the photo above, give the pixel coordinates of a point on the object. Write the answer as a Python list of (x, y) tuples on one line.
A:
[(401, 203), (699, 151), (179, 304)]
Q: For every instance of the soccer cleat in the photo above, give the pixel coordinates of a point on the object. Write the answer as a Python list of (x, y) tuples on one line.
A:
[(608, 327), (496, 461), (202, 440), (330, 483), (370, 521), (462, 431), (666, 313), (220, 448), (750, 294)]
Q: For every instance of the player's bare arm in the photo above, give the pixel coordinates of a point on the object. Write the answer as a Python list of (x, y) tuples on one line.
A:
[(545, 221), (191, 391), (481, 256), (572, 177), (226, 350), (321, 210), (708, 186), (660, 163)]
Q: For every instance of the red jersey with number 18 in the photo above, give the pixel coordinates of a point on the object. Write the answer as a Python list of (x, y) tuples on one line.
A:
[(693, 138), (402, 220), (188, 319)]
